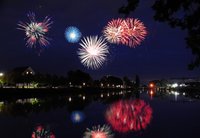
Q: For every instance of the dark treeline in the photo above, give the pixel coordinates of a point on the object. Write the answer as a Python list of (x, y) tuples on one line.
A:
[(75, 78)]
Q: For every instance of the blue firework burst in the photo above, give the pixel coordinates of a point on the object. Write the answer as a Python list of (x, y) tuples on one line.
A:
[(72, 34)]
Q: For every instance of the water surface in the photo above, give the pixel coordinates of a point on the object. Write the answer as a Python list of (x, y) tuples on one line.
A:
[(173, 115)]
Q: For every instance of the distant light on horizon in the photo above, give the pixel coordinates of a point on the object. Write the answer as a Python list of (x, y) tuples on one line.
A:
[(174, 85), (151, 85)]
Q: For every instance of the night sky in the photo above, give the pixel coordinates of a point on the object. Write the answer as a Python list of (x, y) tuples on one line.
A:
[(163, 54)]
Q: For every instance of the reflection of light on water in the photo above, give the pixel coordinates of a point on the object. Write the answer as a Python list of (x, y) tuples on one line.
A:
[(42, 132), (175, 95), (129, 115), (77, 116), (151, 93), (29, 100), (98, 132), (1, 106)]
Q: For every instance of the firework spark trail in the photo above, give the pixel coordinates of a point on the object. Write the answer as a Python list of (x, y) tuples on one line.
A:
[(36, 31), (93, 52)]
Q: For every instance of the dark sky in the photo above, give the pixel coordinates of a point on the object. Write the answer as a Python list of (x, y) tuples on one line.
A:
[(163, 54)]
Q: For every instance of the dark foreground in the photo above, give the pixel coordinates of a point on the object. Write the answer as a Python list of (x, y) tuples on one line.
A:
[(68, 113)]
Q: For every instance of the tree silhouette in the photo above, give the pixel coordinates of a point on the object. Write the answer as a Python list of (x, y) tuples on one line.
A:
[(111, 80), (127, 82), (132, 5), (79, 77), (177, 13), (137, 81)]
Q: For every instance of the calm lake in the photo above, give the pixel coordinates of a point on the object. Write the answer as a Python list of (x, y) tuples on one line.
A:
[(121, 114)]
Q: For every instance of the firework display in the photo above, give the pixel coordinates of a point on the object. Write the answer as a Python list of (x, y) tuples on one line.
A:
[(130, 32), (72, 34), (42, 132), (93, 52), (98, 132), (129, 115), (36, 31)]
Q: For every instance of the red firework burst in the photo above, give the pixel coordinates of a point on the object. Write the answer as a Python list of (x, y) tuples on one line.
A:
[(114, 31), (129, 115), (136, 32)]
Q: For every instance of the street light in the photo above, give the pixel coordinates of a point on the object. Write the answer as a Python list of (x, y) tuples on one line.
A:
[(1, 74)]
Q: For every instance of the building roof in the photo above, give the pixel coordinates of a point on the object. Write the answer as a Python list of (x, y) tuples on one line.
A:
[(21, 70)]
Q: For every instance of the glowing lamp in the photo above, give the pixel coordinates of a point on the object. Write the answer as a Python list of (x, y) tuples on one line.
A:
[(151, 85)]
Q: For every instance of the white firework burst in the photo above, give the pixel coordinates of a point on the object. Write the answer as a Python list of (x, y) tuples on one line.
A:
[(93, 51)]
